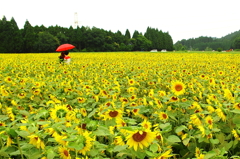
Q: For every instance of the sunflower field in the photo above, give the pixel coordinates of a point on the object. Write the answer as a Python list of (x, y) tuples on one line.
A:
[(131, 105)]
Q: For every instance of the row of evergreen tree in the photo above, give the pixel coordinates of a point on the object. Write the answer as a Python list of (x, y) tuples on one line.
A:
[(39, 39), (230, 41)]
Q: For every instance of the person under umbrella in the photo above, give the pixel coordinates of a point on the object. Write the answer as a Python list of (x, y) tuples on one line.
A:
[(64, 58)]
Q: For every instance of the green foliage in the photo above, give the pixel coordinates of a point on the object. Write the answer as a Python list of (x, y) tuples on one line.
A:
[(42, 39), (201, 43), (236, 43), (219, 49), (208, 49), (46, 42)]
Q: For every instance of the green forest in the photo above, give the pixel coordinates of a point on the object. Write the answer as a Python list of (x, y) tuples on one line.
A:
[(41, 39), (203, 43)]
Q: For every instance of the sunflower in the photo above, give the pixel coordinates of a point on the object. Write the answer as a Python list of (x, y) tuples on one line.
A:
[(151, 93), (163, 116), (221, 73), (83, 112), (228, 94), (174, 99), (2, 124), (135, 111), (81, 99), (237, 106), (112, 114), (9, 141), (36, 91), (120, 123), (165, 155), (22, 95), (178, 88), (197, 152), (212, 82), (36, 141), (58, 112), (88, 143), (161, 93), (235, 134), (119, 141), (133, 97), (8, 79), (195, 120), (201, 156), (10, 113), (209, 121), (64, 153), (158, 103), (60, 138), (201, 128), (131, 82), (220, 114), (146, 124), (139, 139), (131, 90)]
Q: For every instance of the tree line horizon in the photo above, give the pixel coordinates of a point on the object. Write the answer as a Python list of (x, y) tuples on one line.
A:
[(204, 43), (41, 39)]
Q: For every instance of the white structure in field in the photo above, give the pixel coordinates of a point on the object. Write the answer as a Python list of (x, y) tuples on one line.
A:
[(154, 50), (164, 50)]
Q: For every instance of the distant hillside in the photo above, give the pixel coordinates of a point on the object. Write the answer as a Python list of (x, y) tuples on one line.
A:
[(208, 43)]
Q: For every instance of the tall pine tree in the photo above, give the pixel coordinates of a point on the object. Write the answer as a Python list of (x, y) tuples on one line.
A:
[(29, 37)]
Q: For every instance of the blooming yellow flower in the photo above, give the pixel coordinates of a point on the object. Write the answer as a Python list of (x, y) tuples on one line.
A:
[(119, 141), (36, 141), (146, 124), (209, 121), (64, 153), (139, 139), (165, 155), (163, 116), (178, 88), (195, 120), (237, 106), (112, 114)]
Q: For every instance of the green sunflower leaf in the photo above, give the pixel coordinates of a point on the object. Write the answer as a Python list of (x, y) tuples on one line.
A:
[(173, 138), (102, 131), (154, 147), (180, 128), (76, 146), (119, 148)]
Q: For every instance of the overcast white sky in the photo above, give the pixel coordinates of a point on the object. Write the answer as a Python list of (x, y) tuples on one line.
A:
[(183, 19)]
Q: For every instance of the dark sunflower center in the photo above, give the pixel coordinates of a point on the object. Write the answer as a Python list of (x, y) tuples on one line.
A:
[(139, 137), (238, 105), (21, 94), (135, 110), (84, 126), (174, 98), (164, 116), (178, 87), (159, 137), (65, 152), (113, 113), (69, 107), (210, 122)]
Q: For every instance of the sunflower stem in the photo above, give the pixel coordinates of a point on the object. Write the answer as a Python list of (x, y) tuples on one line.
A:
[(19, 148), (133, 154), (76, 153)]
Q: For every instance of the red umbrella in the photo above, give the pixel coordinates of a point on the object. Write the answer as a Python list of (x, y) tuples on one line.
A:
[(65, 47)]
